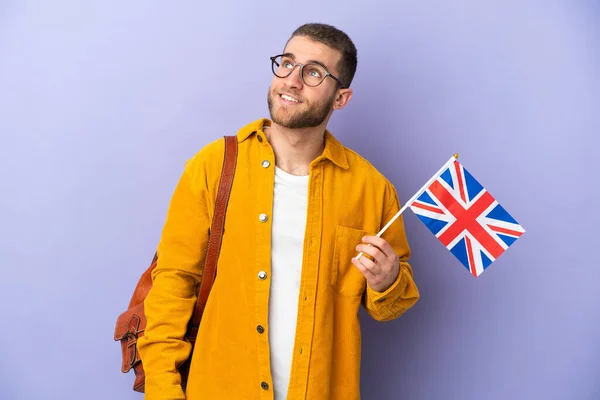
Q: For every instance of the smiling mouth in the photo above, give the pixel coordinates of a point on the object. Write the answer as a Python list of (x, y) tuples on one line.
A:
[(289, 98)]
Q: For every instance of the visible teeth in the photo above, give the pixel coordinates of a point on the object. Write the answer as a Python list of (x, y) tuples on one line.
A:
[(288, 98)]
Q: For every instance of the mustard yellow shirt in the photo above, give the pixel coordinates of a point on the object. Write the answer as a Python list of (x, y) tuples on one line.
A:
[(348, 198)]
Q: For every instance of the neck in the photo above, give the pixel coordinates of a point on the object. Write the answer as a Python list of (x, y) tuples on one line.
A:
[(295, 149)]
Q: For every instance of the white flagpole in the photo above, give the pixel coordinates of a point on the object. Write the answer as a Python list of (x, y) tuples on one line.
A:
[(412, 199)]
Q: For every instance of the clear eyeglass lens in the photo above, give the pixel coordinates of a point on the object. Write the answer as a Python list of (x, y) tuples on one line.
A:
[(312, 74)]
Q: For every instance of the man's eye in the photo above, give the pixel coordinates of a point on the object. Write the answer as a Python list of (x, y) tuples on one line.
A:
[(315, 72)]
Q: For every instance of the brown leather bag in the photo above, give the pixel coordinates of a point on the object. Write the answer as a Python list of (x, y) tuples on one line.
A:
[(131, 324)]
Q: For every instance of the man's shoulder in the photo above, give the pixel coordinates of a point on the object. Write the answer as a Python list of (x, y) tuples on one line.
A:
[(209, 150), (208, 159), (212, 153), (365, 174), (361, 166)]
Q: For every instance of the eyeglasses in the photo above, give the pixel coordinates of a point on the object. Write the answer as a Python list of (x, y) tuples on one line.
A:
[(312, 74)]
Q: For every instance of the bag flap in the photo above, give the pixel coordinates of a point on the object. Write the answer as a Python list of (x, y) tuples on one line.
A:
[(132, 321)]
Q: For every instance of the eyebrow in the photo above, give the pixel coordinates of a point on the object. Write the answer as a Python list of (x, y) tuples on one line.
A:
[(309, 61)]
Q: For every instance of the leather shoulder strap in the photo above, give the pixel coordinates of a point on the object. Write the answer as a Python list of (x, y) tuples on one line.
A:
[(217, 228)]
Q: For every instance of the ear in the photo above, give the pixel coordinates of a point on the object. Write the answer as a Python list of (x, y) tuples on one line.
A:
[(343, 97)]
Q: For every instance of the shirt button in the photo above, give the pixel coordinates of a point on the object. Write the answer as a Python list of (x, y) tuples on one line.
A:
[(262, 275), (266, 164), (264, 385), (260, 139), (263, 217), (381, 300), (260, 329)]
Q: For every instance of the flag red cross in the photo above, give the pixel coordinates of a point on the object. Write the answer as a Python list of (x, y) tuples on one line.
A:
[(466, 218)]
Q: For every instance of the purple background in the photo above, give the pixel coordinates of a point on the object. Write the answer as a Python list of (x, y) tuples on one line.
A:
[(101, 103)]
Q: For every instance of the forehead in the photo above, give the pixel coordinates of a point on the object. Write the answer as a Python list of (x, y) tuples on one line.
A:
[(305, 50)]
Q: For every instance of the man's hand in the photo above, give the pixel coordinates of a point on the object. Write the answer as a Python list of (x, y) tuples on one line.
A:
[(382, 271)]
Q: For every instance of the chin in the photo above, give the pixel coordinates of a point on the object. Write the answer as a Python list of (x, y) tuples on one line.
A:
[(281, 116), (284, 122)]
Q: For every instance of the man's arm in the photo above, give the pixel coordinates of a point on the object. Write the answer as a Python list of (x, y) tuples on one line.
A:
[(392, 289), (171, 301)]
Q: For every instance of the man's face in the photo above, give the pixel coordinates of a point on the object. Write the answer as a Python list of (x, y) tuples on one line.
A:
[(308, 106)]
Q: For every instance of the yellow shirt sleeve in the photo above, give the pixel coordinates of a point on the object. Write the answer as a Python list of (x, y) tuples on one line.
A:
[(403, 294), (171, 300)]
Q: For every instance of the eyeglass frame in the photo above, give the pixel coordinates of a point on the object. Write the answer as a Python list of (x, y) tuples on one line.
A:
[(327, 73)]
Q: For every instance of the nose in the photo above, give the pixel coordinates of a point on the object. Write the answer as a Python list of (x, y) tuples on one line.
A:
[(294, 79)]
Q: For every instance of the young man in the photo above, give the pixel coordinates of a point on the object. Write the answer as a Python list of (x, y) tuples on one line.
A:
[(281, 321)]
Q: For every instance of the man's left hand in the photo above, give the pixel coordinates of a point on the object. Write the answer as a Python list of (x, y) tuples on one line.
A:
[(382, 271)]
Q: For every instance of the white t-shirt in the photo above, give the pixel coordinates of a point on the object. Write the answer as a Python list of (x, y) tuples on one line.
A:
[(289, 223)]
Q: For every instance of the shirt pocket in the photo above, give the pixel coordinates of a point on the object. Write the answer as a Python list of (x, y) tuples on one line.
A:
[(346, 279)]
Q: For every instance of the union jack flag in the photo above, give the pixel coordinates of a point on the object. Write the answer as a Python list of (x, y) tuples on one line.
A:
[(465, 217)]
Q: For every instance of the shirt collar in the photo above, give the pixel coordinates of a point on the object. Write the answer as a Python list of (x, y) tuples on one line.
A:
[(334, 151)]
